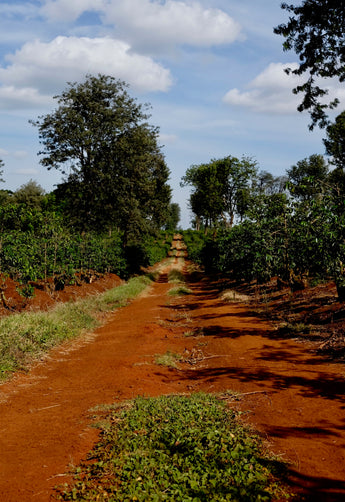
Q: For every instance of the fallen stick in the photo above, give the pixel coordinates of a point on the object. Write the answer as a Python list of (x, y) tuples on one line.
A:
[(245, 394), (48, 407)]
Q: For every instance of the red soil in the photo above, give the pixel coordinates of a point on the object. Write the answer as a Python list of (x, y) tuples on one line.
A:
[(295, 398)]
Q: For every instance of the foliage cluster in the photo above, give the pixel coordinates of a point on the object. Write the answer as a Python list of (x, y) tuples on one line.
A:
[(107, 213), (195, 241), (115, 172), (36, 244), (294, 230), (315, 31), (219, 189), (176, 448)]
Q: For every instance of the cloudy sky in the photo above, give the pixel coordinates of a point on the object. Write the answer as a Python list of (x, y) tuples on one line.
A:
[(211, 69)]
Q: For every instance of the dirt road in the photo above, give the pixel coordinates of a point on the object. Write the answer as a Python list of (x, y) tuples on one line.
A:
[(295, 399)]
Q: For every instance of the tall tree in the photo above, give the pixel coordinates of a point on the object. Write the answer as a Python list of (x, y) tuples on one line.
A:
[(316, 32), (206, 197), (174, 217), (221, 189), (115, 172), (30, 194), (306, 179), (335, 147), (268, 184), (4, 194)]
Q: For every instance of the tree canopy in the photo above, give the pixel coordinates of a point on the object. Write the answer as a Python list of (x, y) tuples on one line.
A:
[(30, 194), (174, 217), (115, 172), (335, 141), (306, 179), (316, 32), (220, 189)]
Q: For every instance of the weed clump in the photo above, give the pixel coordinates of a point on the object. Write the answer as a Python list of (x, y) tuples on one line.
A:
[(169, 359), (180, 291), (176, 276)]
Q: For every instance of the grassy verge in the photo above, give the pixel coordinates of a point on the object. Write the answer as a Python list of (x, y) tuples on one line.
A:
[(185, 449), (24, 337)]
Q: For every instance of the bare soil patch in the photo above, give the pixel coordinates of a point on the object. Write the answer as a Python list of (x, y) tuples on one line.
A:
[(294, 395)]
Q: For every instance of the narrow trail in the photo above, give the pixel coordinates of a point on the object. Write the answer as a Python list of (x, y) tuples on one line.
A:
[(295, 399)]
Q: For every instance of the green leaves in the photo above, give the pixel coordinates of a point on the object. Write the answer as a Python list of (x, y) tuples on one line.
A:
[(221, 189), (176, 448), (40, 246), (116, 173), (315, 31)]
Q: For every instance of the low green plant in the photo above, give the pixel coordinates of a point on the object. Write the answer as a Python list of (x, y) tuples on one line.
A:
[(295, 328), (177, 448), (26, 290), (169, 359), (180, 290), (175, 276), (194, 332)]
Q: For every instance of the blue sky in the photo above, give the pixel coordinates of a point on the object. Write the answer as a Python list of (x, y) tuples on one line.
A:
[(211, 69)]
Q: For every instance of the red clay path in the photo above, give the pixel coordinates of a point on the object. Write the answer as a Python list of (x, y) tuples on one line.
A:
[(295, 399)]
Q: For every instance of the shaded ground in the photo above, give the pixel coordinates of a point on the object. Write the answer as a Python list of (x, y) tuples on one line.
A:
[(313, 314), (296, 397)]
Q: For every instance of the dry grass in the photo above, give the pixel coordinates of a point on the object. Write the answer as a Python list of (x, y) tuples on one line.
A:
[(26, 337), (230, 295)]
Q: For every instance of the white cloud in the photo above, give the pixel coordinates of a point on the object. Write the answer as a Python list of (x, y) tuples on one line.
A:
[(40, 68), (13, 10), (70, 10), (152, 24), (12, 97), (271, 91), (3, 152), (158, 25)]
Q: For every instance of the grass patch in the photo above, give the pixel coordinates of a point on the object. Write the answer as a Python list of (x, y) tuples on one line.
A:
[(230, 295), (169, 359), (180, 291), (194, 332), (175, 276), (25, 337), (185, 449)]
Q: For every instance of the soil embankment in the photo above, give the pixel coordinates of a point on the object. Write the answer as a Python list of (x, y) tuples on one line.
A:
[(295, 398)]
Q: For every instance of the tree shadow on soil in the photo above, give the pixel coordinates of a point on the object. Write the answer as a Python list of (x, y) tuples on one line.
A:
[(312, 489), (316, 384)]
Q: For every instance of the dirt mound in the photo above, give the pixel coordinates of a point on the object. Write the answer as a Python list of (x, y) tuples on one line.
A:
[(41, 295)]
